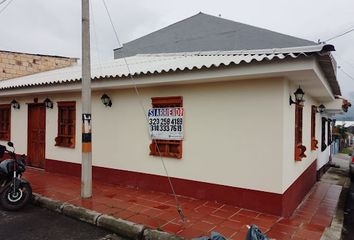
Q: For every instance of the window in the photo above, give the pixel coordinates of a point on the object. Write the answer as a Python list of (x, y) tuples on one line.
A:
[(66, 124), (167, 148), (299, 148), (329, 132), (5, 122), (314, 142), (323, 134)]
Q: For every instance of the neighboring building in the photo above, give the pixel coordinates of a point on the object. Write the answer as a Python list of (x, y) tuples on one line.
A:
[(16, 64), (348, 116), (228, 98)]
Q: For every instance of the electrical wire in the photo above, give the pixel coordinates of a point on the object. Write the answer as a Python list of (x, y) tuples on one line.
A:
[(3, 1), (179, 208), (347, 74), (114, 28), (344, 60), (340, 35), (8, 3)]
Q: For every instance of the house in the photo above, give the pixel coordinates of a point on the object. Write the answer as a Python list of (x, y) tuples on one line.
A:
[(224, 116)]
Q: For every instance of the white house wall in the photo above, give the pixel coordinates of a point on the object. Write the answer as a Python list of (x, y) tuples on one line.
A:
[(233, 132), (227, 130), (18, 125), (236, 133), (19, 122), (293, 169)]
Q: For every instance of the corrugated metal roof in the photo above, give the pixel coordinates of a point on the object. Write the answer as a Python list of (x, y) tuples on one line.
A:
[(162, 63)]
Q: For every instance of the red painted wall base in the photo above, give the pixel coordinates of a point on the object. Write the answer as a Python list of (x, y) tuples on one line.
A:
[(267, 202)]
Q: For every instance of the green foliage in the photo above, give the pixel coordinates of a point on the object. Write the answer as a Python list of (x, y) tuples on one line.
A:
[(342, 130), (346, 150)]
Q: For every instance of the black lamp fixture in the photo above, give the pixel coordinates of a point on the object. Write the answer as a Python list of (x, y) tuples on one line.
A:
[(15, 104), (48, 103), (106, 100), (299, 97), (321, 108)]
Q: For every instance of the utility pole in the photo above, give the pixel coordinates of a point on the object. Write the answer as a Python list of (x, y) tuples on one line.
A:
[(86, 161)]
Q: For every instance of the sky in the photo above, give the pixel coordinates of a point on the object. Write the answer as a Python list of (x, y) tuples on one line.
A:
[(54, 27)]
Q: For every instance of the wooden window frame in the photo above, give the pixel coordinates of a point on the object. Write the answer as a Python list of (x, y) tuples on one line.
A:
[(299, 148), (5, 122), (167, 148), (314, 142), (64, 138), (323, 134)]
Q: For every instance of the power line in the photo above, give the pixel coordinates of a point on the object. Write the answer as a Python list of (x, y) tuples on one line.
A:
[(2, 1), (347, 74), (344, 60), (8, 3), (340, 35), (110, 19), (178, 205)]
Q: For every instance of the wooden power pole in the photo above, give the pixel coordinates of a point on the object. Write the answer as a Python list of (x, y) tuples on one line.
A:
[(86, 161)]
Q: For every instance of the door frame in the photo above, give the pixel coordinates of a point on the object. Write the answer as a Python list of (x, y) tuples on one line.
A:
[(45, 128)]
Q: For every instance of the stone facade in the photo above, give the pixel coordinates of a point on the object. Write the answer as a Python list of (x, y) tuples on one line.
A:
[(15, 64)]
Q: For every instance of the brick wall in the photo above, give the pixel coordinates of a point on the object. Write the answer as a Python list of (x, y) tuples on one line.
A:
[(14, 64)]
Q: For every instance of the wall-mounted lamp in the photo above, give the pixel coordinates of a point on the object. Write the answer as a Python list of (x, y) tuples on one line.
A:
[(106, 100), (299, 97), (321, 108), (15, 104), (48, 103)]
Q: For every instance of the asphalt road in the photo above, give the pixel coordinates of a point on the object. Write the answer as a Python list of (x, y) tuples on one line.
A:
[(34, 223)]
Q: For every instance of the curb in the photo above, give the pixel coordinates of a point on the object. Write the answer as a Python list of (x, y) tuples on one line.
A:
[(150, 234), (80, 213), (119, 226), (122, 227), (45, 202)]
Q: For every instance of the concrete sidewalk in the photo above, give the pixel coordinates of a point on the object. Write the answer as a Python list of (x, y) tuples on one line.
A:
[(338, 176), (131, 212)]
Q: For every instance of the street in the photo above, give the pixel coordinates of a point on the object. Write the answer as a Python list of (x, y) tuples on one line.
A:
[(32, 223)]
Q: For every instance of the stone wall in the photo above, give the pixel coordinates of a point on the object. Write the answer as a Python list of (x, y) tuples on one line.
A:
[(15, 64)]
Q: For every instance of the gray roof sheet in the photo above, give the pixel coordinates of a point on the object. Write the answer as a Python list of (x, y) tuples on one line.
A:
[(152, 64), (204, 32)]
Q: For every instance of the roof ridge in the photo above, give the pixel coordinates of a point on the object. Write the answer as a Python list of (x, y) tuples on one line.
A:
[(305, 49)]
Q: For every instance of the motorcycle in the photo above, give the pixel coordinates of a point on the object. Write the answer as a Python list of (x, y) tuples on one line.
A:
[(15, 192)]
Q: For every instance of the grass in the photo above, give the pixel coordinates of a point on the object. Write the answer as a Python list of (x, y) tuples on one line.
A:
[(346, 150)]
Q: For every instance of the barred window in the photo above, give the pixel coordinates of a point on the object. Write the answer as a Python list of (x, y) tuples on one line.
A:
[(314, 142), (66, 124), (323, 135), (299, 148), (167, 148), (5, 122)]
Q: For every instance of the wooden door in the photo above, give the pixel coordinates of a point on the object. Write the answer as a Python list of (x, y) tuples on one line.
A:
[(36, 135)]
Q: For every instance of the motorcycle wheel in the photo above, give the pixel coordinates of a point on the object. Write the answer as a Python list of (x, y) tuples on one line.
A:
[(14, 200)]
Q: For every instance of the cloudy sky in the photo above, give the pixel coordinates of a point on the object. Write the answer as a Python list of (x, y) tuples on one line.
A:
[(54, 27)]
